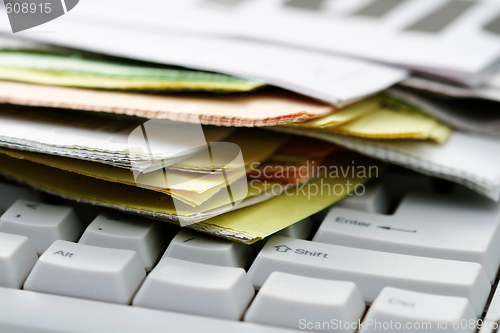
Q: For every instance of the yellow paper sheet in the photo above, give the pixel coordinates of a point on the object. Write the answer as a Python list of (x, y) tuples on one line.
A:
[(87, 188), (389, 124), (184, 190), (256, 146), (191, 188), (81, 80), (343, 116), (381, 118), (247, 225)]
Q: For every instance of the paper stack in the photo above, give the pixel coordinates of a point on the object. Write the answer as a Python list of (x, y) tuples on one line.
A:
[(101, 160), (102, 112)]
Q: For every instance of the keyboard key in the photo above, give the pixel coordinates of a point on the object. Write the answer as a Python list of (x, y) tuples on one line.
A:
[(183, 286), (458, 226), (17, 258), (41, 223), (119, 231), (374, 199), (371, 270), (11, 192), (295, 301), (300, 230), (27, 311), (410, 311), (86, 271), (193, 246)]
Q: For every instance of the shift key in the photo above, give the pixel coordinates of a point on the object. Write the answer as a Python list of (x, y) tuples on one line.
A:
[(372, 270)]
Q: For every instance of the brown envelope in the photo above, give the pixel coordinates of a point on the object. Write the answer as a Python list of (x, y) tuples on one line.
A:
[(260, 108)]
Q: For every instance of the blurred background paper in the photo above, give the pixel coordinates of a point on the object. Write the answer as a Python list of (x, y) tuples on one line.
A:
[(453, 39)]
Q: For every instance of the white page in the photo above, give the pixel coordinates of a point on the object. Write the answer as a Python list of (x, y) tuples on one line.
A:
[(411, 33), (489, 91), (465, 115), (334, 79), (89, 137), (469, 159)]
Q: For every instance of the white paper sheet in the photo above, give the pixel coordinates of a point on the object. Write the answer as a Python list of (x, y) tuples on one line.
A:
[(87, 137), (334, 79), (469, 159), (489, 91), (458, 113)]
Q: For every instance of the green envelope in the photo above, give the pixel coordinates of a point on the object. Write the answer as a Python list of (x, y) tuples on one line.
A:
[(83, 72)]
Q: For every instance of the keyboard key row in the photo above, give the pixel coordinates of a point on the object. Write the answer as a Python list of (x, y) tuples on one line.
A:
[(114, 275), (443, 230), (44, 224), (340, 309), (469, 242), (31, 312), (371, 270), (458, 226), (285, 300)]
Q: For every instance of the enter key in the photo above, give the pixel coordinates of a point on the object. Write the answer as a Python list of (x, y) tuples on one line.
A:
[(458, 226)]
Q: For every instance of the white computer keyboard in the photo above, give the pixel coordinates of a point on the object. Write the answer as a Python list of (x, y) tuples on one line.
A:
[(423, 257)]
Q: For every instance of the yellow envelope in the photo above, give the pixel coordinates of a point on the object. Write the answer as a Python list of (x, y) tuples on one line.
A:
[(381, 118), (344, 115), (390, 124), (246, 225), (191, 188), (256, 146)]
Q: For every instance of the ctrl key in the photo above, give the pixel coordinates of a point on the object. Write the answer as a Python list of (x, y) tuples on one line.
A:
[(397, 310), (103, 274)]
